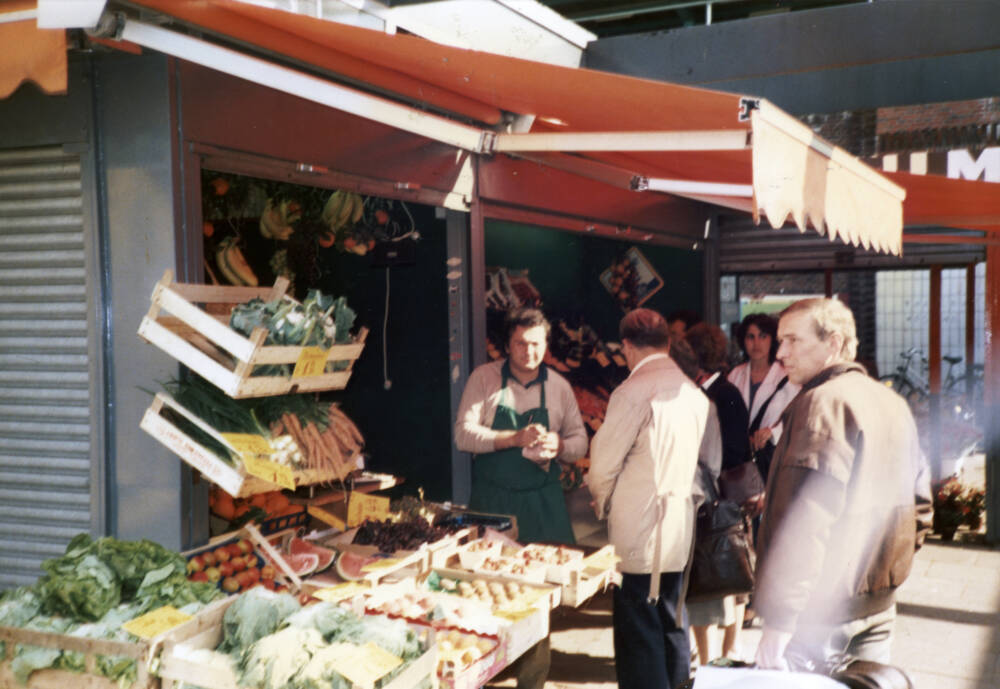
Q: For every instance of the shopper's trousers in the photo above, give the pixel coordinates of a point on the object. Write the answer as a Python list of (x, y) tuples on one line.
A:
[(652, 650)]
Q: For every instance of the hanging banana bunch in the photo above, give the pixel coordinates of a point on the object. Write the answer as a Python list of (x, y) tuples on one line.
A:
[(233, 265)]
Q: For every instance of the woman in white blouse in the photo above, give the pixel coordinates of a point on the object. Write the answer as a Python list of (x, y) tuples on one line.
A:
[(761, 380)]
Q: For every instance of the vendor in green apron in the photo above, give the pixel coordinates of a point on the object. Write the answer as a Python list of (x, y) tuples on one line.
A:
[(520, 418)]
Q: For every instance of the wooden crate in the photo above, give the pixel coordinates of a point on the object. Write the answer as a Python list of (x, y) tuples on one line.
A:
[(581, 584), (176, 668), (201, 339), (234, 480), (145, 653)]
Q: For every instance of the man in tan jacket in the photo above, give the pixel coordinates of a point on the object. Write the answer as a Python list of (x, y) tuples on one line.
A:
[(642, 468), (848, 501)]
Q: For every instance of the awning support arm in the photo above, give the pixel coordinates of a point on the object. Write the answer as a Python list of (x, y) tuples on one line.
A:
[(711, 140), (308, 87)]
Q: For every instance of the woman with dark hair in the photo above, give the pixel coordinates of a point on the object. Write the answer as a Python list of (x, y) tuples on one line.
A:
[(708, 345), (763, 384)]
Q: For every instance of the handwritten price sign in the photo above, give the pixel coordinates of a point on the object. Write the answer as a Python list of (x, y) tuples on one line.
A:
[(249, 444), (156, 622), (361, 507), (364, 665), (272, 472), (311, 362)]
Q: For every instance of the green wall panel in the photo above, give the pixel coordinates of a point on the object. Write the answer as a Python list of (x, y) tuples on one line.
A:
[(566, 269)]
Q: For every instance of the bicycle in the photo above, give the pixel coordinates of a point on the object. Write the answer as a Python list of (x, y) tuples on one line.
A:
[(913, 390)]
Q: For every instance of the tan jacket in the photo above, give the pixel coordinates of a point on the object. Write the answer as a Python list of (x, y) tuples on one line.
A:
[(848, 503), (642, 465)]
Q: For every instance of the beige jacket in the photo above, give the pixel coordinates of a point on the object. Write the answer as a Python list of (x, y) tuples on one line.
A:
[(642, 465)]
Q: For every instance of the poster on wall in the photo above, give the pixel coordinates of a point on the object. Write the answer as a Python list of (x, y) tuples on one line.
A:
[(631, 279)]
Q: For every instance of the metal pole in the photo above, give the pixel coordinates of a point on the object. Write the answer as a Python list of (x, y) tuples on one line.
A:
[(970, 330), (991, 394), (934, 364)]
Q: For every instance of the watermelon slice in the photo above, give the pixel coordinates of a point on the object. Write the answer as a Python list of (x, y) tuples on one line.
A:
[(303, 564), (350, 565), (298, 546)]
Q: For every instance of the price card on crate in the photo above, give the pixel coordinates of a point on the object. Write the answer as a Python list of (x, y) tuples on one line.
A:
[(156, 622), (249, 443), (335, 594), (362, 506), (272, 472), (311, 362), (365, 665)]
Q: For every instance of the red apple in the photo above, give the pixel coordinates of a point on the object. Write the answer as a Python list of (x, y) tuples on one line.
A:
[(238, 563), (244, 579), (213, 574), (267, 573), (208, 557), (221, 554), (226, 569), (234, 550), (230, 585), (195, 564), (245, 545), (254, 573), (198, 576)]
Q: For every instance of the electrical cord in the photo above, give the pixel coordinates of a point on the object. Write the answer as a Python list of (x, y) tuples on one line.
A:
[(386, 383)]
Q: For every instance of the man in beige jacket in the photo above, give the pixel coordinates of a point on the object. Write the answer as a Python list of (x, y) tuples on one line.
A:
[(642, 468)]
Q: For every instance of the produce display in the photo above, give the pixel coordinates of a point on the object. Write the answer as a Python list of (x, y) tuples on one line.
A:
[(259, 508), (407, 534), (458, 650), (90, 591), (233, 566), (318, 321), (307, 433), (271, 641)]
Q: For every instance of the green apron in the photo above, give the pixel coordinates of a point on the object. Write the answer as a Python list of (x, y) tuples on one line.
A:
[(504, 482)]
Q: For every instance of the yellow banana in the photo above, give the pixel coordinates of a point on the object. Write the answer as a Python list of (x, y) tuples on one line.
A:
[(344, 215), (359, 209), (332, 210), (238, 264), (223, 264)]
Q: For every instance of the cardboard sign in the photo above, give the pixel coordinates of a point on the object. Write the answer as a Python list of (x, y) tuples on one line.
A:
[(311, 362), (156, 622), (271, 472), (361, 506), (365, 665), (381, 563), (335, 594), (249, 443)]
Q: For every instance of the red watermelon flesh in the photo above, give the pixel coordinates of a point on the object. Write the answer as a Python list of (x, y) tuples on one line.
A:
[(326, 556), (303, 564), (349, 565)]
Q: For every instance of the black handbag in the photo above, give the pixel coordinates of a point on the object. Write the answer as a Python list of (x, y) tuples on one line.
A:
[(724, 559), (741, 482), (867, 674)]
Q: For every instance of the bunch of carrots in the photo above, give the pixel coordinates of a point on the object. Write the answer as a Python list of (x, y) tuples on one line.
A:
[(331, 449)]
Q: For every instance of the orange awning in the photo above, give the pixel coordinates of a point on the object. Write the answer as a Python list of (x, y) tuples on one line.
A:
[(29, 53), (573, 142)]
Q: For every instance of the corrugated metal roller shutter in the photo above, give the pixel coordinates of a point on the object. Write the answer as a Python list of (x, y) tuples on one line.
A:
[(45, 390)]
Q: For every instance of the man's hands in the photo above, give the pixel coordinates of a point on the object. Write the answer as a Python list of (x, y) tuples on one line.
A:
[(530, 435), (771, 650)]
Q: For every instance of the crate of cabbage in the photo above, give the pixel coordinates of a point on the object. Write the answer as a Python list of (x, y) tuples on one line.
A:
[(74, 626), (263, 640), (255, 341)]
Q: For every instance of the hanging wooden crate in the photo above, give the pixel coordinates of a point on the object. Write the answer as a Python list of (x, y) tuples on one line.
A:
[(235, 480), (201, 339)]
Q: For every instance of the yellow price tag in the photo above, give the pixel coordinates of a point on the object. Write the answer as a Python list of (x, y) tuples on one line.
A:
[(335, 594), (365, 665), (599, 562), (382, 563), (249, 444), (156, 622), (271, 472), (362, 506), (515, 614), (311, 362)]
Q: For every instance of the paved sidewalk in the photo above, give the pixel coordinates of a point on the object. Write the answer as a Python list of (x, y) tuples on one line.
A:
[(947, 631)]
